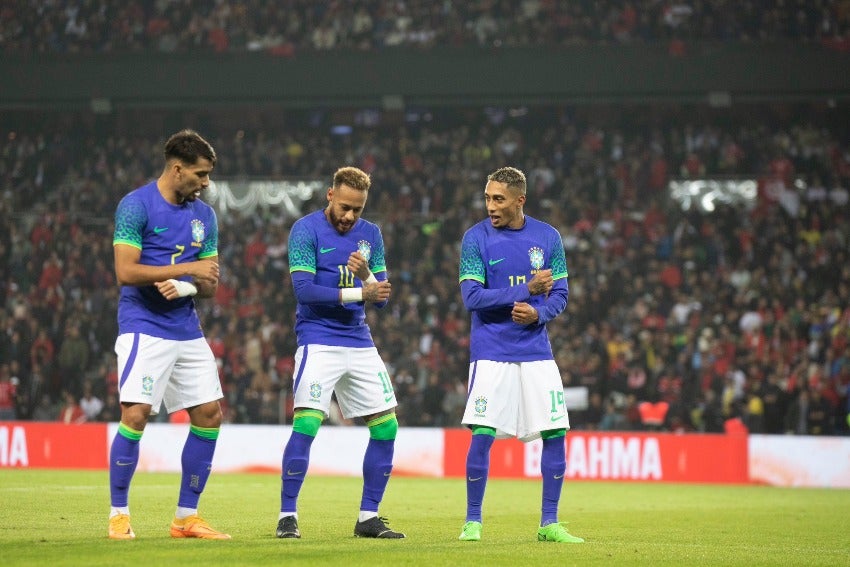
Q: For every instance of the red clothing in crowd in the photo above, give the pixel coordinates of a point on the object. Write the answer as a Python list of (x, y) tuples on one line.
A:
[(7, 395), (72, 413), (51, 275)]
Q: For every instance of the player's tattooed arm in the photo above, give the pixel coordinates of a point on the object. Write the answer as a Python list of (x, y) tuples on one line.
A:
[(376, 292), (541, 283)]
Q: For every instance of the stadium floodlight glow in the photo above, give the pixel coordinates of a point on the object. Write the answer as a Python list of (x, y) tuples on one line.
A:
[(705, 194), (247, 195)]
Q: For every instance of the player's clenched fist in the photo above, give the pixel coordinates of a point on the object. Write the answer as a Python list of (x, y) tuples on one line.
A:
[(376, 292), (524, 314), (358, 265), (541, 283)]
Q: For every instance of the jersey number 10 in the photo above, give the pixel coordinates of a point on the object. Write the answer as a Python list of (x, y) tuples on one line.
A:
[(346, 278)]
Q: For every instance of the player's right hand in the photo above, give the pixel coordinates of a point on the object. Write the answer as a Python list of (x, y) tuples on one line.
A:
[(358, 265), (541, 283), (205, 270), (376, 292)]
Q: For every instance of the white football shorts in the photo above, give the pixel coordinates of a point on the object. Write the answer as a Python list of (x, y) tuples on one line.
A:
[(182, 374), (518, 399), (357, 376)]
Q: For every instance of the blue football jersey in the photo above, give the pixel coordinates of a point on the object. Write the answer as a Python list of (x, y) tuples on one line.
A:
[(315, 247), (166, 234), (501, 259)]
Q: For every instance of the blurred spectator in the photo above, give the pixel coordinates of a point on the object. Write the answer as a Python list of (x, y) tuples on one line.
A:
[(43, 350), (612, 418), (591, 418), (71, 412), (73, 359), (754, 413), (89, 403), (111, 411), (819, 414), (433, 395), (796, 420), (8, 394), (45, 410), (653, 414), (775, 404), (709, 415)]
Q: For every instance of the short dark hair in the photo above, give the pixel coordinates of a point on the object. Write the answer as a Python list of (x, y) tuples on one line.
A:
[(353, 177), (510, 176), (188, 146)]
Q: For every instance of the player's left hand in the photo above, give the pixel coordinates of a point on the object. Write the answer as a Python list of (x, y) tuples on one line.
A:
[(358, 265), (172, 289), (167, 290), (376, 292), (524, 314)]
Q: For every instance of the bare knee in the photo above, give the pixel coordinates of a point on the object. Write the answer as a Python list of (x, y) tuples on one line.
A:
[(206, 415), (135, 415)]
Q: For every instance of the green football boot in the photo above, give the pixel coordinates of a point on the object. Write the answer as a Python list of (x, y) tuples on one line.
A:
[(471, 532), (558, 533)]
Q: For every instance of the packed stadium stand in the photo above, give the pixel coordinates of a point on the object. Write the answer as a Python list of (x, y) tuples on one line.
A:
[(707, 242), (289, 27)]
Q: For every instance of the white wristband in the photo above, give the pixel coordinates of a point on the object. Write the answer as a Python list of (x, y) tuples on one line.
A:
[(184, 289), (351, 294), (371, 278)]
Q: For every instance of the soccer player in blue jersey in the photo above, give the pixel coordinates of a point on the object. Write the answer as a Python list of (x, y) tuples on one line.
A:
[(166, 253), (513, 278), (336, 260)]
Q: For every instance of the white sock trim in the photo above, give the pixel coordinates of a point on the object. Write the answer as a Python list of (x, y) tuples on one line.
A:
[(185, 512), (365, 515)]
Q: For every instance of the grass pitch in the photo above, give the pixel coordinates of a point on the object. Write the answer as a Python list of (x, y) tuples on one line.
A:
[(60, 518)]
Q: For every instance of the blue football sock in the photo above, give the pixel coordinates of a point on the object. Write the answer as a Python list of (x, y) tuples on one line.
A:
[(123, 458), (197, 459), (553, 464), (477, 469), (296, 459), (377, 466)]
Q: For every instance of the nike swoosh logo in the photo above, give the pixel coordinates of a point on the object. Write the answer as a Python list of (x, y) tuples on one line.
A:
[(470, 479), (558, 476), (291, 473), (388, 399), (386, 474), (324, 250), (120, 464), (158, 229), (553, 418), (494, 262)]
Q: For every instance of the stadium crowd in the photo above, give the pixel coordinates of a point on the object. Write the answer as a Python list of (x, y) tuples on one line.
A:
[(739, 313), (292, 26)]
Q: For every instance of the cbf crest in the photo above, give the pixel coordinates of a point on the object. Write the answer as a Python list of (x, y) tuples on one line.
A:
[(535, 256), (147, 386), (315, 391), (365, 249), (198, 232), (480, 406)]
